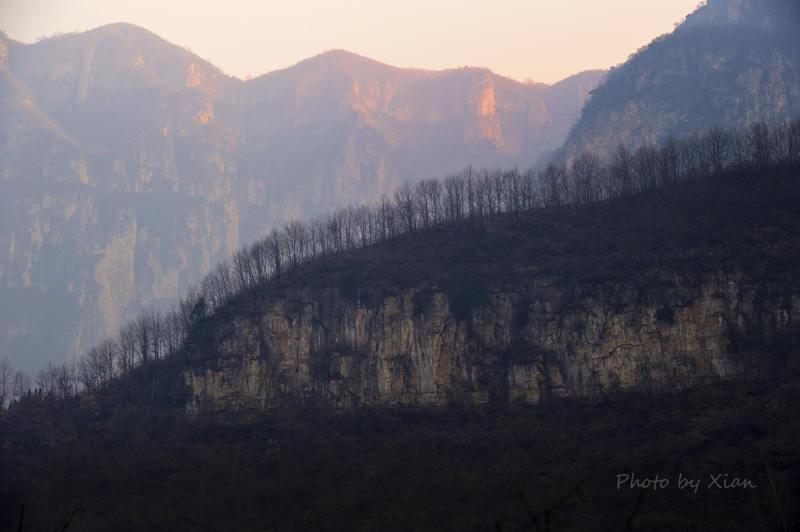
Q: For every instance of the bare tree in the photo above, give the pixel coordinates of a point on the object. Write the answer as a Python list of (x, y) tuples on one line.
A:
[(740, 151), (436, 205), (260, 261), (296, 241), (66, 380), (106, 363), (497, 190), (107, 353), (620, 172), (244, 268), (382, 219), (470, 177), (349, 227), (717, 145), (126, 338), (87, 371), (669, 161), (175, 332), (364, 221), (530, 198), (759, 145), (423, 201), (585, 176), (429, 197), (275, 250), (219, 285), (334, 225), (158, 333), (141, 338), (96, 367), (22, 385), (482, 193), (646, 167), (792, 132), (57, 381), (781, 143), (553, 185), (514, 196), (404, 202), (454, 197), (187, 310), (319, 241), (694, 164), (6, 382), (45, 380)]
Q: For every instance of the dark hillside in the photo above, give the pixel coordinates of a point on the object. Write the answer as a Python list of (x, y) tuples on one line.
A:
[(110, 464), (738, 221), (130, 459)]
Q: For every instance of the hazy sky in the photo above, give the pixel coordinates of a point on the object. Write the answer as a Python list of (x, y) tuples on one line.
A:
[(544, 40)]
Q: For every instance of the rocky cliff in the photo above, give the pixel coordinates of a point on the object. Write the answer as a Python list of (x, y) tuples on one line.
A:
[(130, 166), (732, 62), (532, 340)]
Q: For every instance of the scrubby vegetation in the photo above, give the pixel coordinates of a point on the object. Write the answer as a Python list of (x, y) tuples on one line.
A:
[(122, 455), (702, 202), (113, 463)]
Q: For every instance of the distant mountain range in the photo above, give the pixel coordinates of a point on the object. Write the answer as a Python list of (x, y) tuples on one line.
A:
[(730, 63), (130, 166)]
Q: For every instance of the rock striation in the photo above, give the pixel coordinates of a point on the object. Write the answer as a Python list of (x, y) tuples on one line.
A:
[(731, 62), (129, 166), (528, 342)]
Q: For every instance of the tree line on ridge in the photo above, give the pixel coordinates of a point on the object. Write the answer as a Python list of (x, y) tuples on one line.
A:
[(473, 195)]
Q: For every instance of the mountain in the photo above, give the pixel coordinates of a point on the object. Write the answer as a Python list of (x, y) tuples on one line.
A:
[(522, 309), (730, 63), (613, 354), (134, 466), (130, 166)]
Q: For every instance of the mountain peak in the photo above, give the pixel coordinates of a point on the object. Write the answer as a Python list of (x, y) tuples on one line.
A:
[(126, 29), (344, 60), (730, 63), (156, 127), (766, 14), (128, 40)]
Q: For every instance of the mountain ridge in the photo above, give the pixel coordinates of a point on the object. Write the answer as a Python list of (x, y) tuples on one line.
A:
[(730, 64), (124, 124)]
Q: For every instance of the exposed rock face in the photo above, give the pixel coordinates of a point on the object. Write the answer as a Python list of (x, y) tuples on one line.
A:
[(525, 344), (731, 63), (130, 166)]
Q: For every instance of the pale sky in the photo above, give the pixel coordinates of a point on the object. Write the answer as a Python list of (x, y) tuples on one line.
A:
[(541, 40)]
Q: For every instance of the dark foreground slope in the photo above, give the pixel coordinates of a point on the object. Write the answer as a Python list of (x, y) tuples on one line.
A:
[(745, 220), (124, 466), (132, 460)]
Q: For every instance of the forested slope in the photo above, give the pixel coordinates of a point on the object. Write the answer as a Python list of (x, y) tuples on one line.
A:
[(132, 458)]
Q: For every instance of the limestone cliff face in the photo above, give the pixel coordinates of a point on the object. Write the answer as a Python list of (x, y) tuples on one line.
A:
[(731, 63), (525, 344), (339, 128), (130, 166)]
